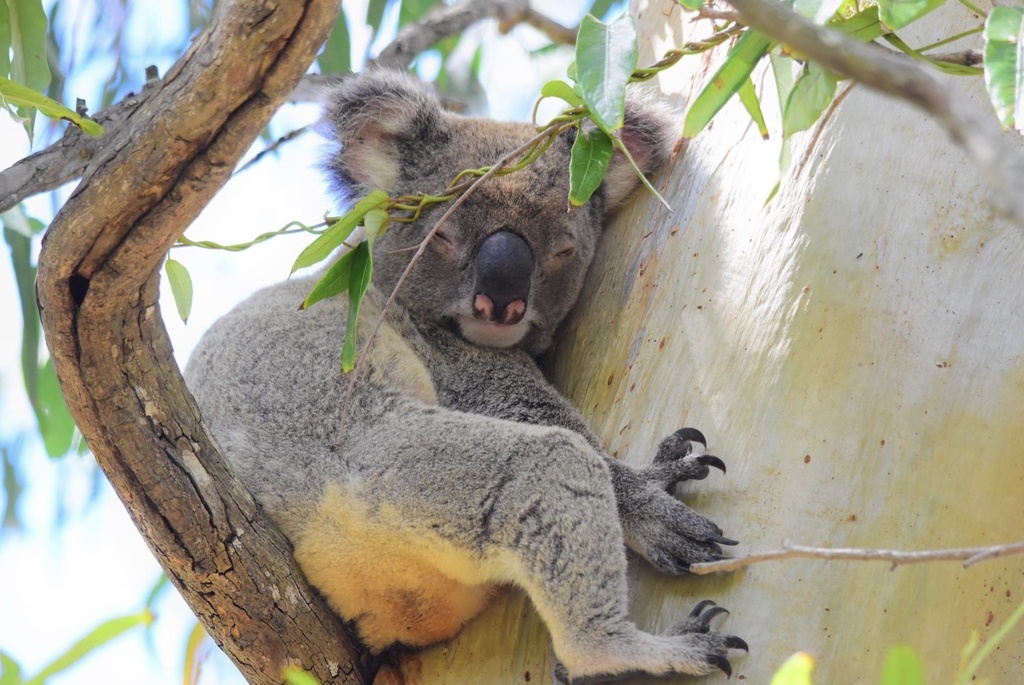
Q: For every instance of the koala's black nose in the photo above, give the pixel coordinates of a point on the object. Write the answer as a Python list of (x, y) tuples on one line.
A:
[(504, 267)]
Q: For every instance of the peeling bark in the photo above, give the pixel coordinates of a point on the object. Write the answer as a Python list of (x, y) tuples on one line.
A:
[(97, 290)]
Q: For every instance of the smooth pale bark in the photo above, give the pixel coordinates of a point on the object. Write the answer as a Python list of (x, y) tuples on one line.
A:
[(855, 353)]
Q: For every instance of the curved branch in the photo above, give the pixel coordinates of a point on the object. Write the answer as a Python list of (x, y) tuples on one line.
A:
[(900, 77), (97, 290)]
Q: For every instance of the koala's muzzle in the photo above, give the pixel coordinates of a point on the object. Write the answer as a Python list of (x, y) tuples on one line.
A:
[(504, 268)]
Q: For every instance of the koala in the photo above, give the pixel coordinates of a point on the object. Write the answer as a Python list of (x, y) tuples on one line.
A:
[(460, 469)]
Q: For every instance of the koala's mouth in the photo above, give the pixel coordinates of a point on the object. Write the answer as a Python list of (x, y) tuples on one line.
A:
[(490, 333)]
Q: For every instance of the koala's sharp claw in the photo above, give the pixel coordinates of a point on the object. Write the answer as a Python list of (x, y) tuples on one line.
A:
[(701, 606), (714, 537), (711, 460), (733, 642), (711, 613), (692, 434), (721, 663)]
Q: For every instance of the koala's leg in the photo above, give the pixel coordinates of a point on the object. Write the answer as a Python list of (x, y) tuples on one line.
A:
[(534, 506)]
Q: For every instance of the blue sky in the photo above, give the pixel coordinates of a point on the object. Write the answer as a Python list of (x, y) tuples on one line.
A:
[(62, 574)]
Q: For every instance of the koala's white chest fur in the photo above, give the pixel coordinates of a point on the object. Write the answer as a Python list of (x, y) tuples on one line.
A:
[(397, 583)]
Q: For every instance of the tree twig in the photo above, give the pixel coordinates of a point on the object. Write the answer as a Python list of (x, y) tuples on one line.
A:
[(562, 35), (969, 555), (447, 21), (900, 77)]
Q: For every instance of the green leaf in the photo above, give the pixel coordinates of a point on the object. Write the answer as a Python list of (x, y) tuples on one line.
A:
[(796, 670), (99, 636), (600, 8), (26, 22), (693, 5), (748, 96), (359, 281), (181, 287), (375, 13), (413, 10), (729, 78), (161, 584), (863, 27), (55, 424), (5, 42), (12, 493), (902, 667), (1004, 64), (375, 223), (811, 94), (336, 57), (23, 96), (898, 13), (332, 283), (561, 90), (18, 231), (605, 59), (193, 660), (588, 161), (10, 671), (293, 675), (333, 237), (818, 11)]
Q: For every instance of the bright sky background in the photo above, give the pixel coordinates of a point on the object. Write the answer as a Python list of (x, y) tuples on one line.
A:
[(65, 573)]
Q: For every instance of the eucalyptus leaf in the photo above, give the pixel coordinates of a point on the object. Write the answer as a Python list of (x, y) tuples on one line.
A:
[(561, 90), (863, 27), (181, 287), (692, 5), (1004, 64), (293, 675), (812, 93), (818, 11), (336, 56), (902, 667), (10, 670), (23, 96), (333, 237), (26, 38), (587, 164), (729, 78), (56, 426), (334, 282), (796, 670), (98, 637), (606, 57), (898, 13), (359, 282), (748, 96), (5, 42)]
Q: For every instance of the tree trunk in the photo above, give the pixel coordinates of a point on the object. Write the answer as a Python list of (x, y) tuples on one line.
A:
[(854, 351), (97, 295)]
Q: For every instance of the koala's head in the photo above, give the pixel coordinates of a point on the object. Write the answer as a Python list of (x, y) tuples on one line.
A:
[(507, 267)]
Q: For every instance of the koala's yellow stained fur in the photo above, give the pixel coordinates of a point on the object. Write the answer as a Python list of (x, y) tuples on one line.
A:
[(401, 584)]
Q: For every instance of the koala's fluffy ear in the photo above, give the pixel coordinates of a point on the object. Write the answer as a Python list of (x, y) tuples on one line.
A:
[(649, 135), (376, 117)]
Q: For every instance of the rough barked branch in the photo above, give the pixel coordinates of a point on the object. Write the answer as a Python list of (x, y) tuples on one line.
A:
[(67, 159), (969, 555), (901, 77), (97, 291)]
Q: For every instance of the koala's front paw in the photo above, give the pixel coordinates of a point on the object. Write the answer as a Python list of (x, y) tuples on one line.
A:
[(679, 458), (662, 529), (713, 645), (668, 533)]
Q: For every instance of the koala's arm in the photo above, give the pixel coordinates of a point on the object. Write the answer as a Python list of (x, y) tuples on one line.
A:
[(508, 385)]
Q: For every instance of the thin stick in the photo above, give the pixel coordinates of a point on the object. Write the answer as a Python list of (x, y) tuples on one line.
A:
[(969, 555), (353, 377)]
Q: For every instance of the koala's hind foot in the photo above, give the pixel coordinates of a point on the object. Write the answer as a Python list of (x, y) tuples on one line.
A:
[(689, 647)]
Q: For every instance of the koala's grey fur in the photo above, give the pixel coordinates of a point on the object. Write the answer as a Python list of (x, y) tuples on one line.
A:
[(461, 468)]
